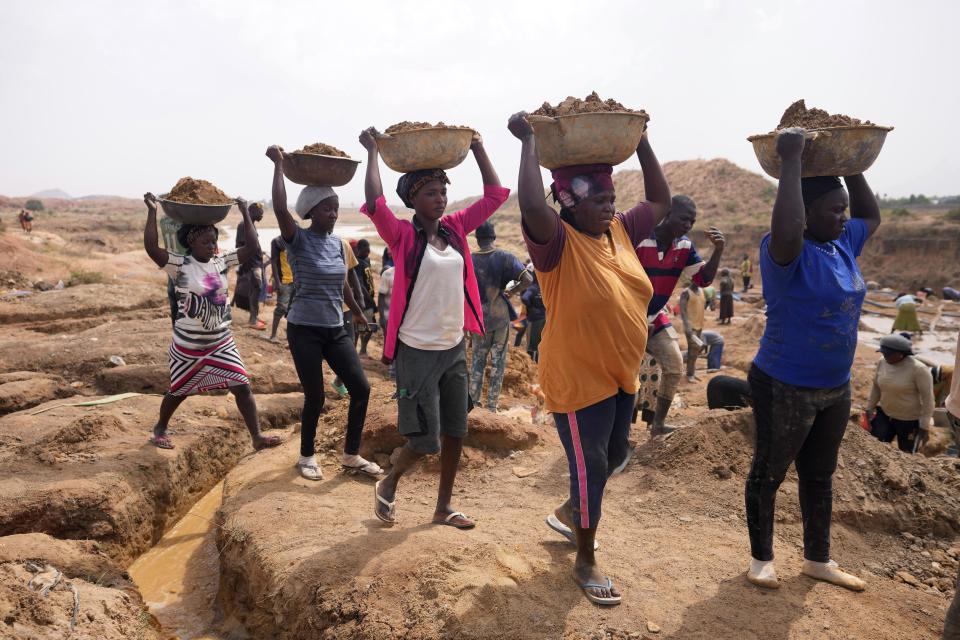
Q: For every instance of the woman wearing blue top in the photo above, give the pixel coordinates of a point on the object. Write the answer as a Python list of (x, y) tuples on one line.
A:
[(800, 379)]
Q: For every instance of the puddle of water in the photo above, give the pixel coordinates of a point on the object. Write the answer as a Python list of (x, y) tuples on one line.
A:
[(936, 346), (179, 576)]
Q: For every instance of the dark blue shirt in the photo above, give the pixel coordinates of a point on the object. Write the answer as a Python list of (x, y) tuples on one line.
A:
[(495, 269), (533, 301), (813, 311)]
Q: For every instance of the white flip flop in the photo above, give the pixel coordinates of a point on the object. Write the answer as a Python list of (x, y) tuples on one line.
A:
[(554, 523), (378, 500), (368, 468), (310, 471)]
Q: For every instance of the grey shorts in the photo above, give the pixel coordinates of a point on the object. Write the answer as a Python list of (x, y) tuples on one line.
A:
[(284, 299), (431, 395)]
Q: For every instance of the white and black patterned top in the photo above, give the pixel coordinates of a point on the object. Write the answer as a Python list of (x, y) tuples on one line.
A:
[(203, 310)]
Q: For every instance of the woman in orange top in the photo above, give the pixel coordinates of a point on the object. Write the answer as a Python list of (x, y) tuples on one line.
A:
[(596, 294)]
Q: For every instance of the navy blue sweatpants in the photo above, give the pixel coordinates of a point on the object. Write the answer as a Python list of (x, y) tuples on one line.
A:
[(595, 440)]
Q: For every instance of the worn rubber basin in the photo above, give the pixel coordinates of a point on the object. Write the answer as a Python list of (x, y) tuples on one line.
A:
[(834, 151), (194, 213), (434, 148), (604, 137), (320, 170)]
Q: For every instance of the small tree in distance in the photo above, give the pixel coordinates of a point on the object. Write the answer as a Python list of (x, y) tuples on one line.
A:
[(33, 205)]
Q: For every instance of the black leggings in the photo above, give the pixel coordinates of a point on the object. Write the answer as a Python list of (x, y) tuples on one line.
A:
[(804, 426), (310, 346), (884, 428)]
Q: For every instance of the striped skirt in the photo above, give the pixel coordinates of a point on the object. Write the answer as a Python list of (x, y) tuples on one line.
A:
[(198, 370)]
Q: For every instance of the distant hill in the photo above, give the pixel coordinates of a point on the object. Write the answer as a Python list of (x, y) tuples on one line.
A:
[(722, 190), (51, 193)]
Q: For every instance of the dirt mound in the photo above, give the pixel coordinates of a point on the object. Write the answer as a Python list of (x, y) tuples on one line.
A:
[(719, 444), (591, 104), (13, 279), (490, 431), (720, 188), (798, 115), (755, 326), (324, 150), (876, 487), (194, 191), (406, 125), (23, 389), (107, 604), (520, 374)]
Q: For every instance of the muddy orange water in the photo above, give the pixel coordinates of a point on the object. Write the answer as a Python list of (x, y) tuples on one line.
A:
[(178, 577)]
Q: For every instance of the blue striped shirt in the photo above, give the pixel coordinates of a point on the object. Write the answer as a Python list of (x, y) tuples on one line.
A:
[(318, 276)]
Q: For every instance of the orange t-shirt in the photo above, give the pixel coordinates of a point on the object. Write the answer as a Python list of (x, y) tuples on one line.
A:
[(596, 294)]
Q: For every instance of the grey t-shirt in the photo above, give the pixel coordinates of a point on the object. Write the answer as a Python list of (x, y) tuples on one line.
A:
[(318, 276)]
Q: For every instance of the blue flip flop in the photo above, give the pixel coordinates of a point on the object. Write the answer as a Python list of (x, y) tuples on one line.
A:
[(554, 523), (597, 599)]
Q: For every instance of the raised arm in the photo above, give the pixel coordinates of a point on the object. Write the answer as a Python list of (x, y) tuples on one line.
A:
[(539, 218), (863, 204), (372, 185), (654, 182), (709, 271), (151, 243), (789, 214), (487, 172), (251, 244), (288, 226)]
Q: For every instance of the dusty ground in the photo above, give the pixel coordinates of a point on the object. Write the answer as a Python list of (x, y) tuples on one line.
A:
[(303, 560)]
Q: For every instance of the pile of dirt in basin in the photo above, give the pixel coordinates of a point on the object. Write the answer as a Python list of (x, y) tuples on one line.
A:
[(798, 115), (591, 104), (323, 150), (194, 191), (406, 125)]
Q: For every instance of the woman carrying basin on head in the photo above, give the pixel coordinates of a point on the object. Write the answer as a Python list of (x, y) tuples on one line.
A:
[(203, 355), (596, 294), (800, 378), (315, 330), (435, 299)]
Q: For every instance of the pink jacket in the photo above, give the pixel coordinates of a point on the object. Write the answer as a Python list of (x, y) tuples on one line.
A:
[(407, 242)]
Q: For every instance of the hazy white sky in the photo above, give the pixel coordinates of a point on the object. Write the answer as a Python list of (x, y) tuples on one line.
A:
[(121, 97)]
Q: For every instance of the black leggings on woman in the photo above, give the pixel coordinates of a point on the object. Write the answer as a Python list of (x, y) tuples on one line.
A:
[(310, 346), (801, 425)]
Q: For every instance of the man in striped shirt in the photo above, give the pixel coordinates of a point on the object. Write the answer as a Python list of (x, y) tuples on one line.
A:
[(666, 255)]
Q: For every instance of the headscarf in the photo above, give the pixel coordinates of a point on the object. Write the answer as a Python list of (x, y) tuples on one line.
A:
[(410, 183), (575, 183), (813, 188), (310, 197), (189, 232)]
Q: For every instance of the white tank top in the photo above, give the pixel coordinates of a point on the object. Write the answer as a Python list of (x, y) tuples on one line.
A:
[(434, 317)]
